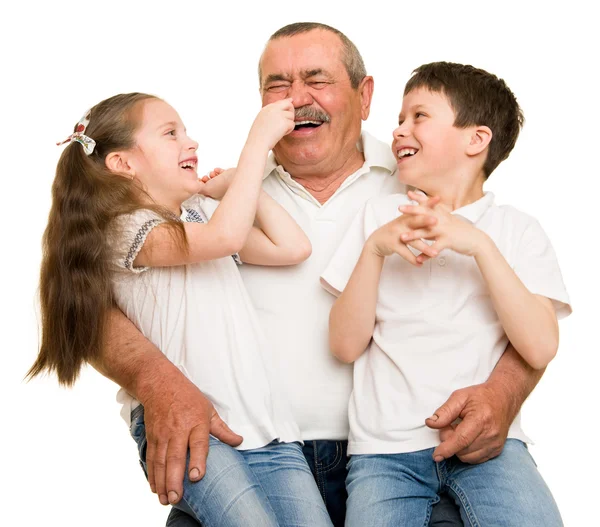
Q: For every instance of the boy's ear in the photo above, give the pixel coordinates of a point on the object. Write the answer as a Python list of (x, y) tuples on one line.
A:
[(480, 139), (118, 163)]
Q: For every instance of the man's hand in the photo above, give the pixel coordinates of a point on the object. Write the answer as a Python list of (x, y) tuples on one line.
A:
[(483, 430), (175, 421)]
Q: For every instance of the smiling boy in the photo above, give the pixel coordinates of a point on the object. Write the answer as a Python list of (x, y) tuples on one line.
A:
[(481, 275)]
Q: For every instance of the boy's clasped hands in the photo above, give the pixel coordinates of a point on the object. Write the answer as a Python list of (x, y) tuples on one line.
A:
[(429, 221)]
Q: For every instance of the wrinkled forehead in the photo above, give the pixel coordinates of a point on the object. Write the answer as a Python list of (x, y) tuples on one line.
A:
[(301, 55)]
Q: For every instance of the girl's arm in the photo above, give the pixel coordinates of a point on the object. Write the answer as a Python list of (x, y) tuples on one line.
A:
[(276, 239), (229, 227)]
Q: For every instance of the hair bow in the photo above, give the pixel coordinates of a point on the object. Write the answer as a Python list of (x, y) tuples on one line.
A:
[(78, 135)]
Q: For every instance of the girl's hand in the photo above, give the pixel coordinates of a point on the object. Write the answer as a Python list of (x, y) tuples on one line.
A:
[(217, 183), (448, 232), (273, 122), (213, 173)]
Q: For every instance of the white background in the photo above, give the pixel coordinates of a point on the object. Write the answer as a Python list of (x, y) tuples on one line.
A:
[(66, 456)]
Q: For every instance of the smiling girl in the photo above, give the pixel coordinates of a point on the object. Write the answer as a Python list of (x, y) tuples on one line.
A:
[(128, 227)]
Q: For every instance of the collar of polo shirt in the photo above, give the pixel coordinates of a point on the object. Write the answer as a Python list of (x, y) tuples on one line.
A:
[(378, 155), (471, 212)]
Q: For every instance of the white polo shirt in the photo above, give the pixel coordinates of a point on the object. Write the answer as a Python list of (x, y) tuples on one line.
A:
[(201, 318), (436, 329), (294, 309)]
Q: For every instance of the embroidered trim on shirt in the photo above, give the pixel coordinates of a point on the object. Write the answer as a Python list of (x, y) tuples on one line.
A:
[(138, 241), (193, 216)]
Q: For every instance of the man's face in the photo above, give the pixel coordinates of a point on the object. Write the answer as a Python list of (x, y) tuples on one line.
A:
[(309, 69)]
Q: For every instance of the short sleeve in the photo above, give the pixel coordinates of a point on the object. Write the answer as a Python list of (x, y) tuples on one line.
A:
[(340, 267), (205, 207), (127, 236), (537, 267)]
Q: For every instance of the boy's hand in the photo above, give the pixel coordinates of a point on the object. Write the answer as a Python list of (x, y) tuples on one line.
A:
[(273, 122), (448, 232), (217, 182), (387, 240)]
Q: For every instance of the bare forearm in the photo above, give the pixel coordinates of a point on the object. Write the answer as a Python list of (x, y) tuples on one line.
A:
[(280, 228), (352, 317), (529, 322), (513, 380), (133, 362), (235, 215)]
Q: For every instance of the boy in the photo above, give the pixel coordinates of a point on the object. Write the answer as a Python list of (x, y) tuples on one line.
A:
[(439, 317)]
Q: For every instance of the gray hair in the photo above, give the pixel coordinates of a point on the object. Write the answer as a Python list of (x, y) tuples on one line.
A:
[(353, 62)]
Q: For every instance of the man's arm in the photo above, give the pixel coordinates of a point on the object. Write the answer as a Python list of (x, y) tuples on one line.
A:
[(487, 411), (176, 413)]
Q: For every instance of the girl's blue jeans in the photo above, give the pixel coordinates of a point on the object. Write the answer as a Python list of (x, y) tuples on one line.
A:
[(400, 489), (267, 486)]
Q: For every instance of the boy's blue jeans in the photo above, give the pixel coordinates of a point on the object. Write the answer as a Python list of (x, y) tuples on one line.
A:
[(268, 486), (400, 489)]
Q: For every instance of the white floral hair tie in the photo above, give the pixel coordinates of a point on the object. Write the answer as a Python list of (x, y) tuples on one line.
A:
[(78, 135)]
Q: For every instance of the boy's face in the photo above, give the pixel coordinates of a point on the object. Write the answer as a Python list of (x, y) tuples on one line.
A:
[(429, 149)]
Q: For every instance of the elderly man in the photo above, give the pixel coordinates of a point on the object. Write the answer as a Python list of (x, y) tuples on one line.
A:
[(322, 173)]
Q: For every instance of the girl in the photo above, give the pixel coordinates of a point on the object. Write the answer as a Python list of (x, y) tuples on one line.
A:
[(127, 226)]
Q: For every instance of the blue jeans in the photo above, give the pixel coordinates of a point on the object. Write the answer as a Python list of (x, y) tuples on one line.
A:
[(400, 489), (268, 486), (327, 461)]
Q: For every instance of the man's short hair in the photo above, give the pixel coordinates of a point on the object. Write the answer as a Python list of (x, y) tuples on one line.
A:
[(478, 98), (351, 58)]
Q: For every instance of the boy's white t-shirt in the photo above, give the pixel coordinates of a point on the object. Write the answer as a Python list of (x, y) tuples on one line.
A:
[(436, 329), (201, 318)]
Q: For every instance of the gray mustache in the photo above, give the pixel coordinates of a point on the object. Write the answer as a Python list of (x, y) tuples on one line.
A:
[(308, 113)]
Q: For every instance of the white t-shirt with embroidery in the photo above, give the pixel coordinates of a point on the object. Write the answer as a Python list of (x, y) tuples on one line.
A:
[(436, 329), (201, 317)]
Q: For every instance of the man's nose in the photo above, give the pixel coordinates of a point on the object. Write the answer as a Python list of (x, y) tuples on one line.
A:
[(299, 92)]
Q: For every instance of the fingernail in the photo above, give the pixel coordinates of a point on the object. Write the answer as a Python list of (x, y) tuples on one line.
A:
[(194, 473), (438, 459), (163, 499), (434, 417), (173, 496)]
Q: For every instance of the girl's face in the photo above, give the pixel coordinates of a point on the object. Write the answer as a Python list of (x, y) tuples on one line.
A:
[(164, 158)]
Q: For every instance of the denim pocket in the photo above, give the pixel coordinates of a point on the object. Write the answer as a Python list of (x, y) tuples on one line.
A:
[(137, 429)]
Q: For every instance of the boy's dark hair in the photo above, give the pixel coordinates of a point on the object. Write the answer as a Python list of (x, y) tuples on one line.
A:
[(478, 98)]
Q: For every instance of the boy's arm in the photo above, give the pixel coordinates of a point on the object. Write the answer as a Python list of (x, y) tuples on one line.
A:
[(528, 320), (487, 411), (277, 239), (176, 413), (352, 317)]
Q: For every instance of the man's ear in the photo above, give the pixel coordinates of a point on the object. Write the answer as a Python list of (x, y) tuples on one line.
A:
[(480, 138), (365, 88), (118, 162)]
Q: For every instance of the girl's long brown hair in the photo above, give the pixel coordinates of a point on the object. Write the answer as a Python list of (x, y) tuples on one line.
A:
[(75, 286)]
